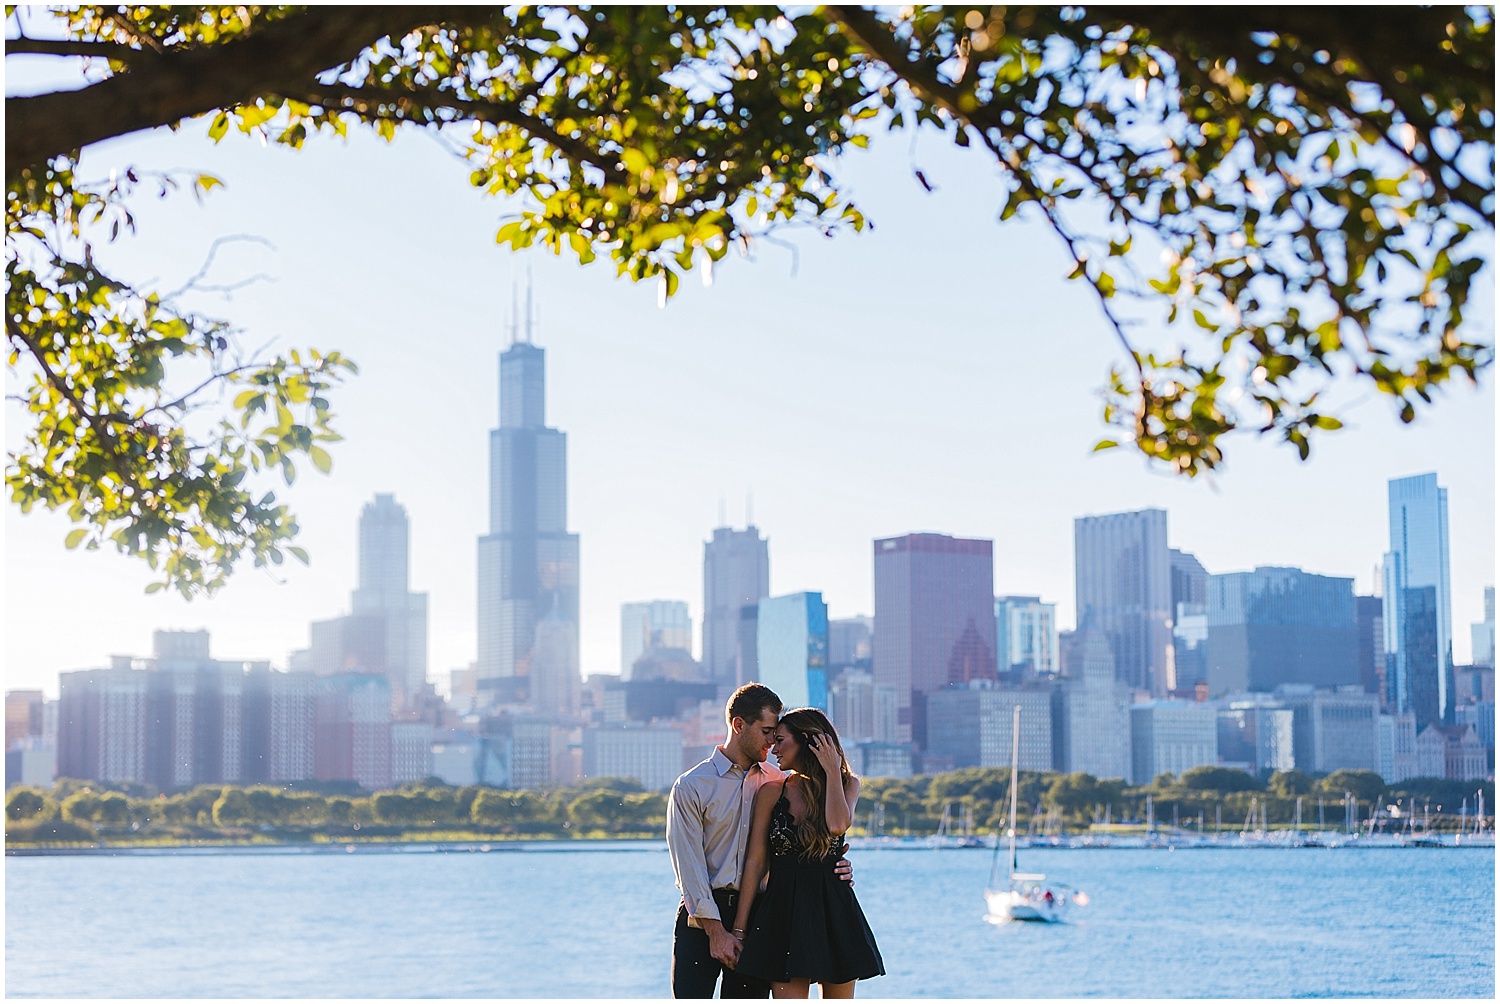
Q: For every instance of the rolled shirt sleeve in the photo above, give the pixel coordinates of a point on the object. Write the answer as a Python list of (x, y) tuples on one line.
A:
[(685, 847)]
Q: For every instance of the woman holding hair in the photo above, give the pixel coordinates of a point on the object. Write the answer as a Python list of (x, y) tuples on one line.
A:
[(806, 926)]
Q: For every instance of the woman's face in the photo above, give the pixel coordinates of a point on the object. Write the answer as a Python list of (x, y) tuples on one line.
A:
[(786, 748)]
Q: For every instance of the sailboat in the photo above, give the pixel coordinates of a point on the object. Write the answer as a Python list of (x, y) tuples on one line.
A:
[(1025, 896)]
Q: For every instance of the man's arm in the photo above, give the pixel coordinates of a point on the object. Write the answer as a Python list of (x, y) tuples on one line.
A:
[(690, 863), (685, 847)]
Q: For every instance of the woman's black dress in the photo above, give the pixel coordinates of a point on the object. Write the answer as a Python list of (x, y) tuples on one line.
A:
[(807, 924)]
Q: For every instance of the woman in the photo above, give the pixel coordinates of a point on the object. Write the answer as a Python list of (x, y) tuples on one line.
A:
[(806, 926)]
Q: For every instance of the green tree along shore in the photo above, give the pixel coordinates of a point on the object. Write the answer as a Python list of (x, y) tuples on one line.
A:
[(91, 813)]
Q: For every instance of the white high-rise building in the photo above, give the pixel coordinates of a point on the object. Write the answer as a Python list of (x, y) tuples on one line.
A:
[(1026, 636), (1123, 578), (1093, 712), (384, 593)]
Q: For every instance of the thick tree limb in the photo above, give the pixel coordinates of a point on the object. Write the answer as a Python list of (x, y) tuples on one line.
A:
[(164, 89), (70, 47)]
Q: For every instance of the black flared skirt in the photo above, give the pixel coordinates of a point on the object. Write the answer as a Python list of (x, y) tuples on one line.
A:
[(808, 925)]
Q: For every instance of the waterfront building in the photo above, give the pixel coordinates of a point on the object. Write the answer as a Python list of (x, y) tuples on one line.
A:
[(1276, 626), (653, 624), (1452, 752), (861, 710), (1396, 757), (279, 726), (102, 724), (1189, 621), (1333, 729), (1123, 580), (1482, 635), (736, 577), (791, 647), (1169, 737), (411, 752), (1369, 643), (541, 753), (651, 755), (455, 757), (877, 759), (1091, 718), (1418, 616), (1256, 734), (31, 761), (971, 725), (1480, 716), (934, 618), (1026, 637), (528, 561), (352, 730)]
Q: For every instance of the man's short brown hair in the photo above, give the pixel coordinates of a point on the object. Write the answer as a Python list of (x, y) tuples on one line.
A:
[(751, 701)]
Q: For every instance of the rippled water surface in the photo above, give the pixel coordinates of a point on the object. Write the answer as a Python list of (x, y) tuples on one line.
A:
[(597, 923)]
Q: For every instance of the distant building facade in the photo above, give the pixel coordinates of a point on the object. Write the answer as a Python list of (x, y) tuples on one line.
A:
[(1169, 737), (1276, 626), (1189, 621), (1123, 579), (1452, 752), (934, 620), (650, 755), (792, 648), (1092, 711), (972, 725), (1333, 730), (1026, 637), (1418, 616), (653, 624), (736, 577), (529, 561), (1256, 736)]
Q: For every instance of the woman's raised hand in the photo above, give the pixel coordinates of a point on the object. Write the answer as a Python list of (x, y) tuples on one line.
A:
[(827, 753)]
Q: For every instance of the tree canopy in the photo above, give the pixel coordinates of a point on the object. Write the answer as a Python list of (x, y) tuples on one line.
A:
[(1301, 196)]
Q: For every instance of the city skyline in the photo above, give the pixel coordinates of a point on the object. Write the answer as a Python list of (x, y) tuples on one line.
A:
[(802, 388)]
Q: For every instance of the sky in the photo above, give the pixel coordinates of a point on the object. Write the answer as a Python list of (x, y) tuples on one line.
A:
[(935, 374)]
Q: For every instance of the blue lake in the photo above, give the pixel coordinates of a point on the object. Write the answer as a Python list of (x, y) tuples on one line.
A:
[(597, 922)]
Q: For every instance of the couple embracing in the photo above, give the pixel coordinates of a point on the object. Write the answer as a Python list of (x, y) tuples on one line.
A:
[(734, 820)]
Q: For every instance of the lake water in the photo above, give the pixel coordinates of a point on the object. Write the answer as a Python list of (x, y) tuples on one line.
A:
[(574, 922)]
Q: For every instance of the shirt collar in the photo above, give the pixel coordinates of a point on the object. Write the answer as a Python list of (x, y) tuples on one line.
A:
[(723, 765)]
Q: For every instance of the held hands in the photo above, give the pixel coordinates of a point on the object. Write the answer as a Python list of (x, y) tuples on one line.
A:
[(827, 753), (724, 947)]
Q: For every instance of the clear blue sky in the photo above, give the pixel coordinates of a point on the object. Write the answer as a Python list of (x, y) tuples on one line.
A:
[(935, 374)]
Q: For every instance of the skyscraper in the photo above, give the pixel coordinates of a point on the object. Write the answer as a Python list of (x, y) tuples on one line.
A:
[(1123, 578), (384, 592), (1026, 637), (1418, 617), (736, 575), (528, 562), (792, 649), (1092, 721), (1189, 621), (1280, 625), (934, 619)]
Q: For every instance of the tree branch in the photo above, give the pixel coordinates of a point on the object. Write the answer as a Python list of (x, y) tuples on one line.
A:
[(180, 83), (71, 47)]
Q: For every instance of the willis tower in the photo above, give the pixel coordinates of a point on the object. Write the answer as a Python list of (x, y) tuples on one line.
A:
[(528, 562)]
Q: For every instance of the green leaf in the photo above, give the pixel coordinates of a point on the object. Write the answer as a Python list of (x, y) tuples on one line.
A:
[(219, 126), (75, 538), (320, 458)]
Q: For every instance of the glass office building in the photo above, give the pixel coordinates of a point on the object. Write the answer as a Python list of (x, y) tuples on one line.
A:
[(792, 649), (1418, 618)]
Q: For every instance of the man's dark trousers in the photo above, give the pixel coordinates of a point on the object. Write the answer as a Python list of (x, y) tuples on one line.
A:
[(695, 971)]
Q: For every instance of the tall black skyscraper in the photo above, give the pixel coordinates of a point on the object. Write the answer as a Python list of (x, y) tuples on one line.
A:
[(528, 562), (736, 577)]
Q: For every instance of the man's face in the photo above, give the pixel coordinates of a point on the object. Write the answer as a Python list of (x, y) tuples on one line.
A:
[(756, 738)]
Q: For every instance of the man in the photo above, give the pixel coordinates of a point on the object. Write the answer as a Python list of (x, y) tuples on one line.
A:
[(708, 822)]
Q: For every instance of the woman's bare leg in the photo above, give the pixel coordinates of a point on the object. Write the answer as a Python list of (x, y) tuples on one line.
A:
[(797, 988), (838, 991)]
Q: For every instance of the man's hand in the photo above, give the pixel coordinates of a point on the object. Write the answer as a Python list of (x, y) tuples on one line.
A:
[(844, 870), (722, 945)]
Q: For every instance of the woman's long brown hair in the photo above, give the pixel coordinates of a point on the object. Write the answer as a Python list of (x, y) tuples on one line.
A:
[(812, 830)]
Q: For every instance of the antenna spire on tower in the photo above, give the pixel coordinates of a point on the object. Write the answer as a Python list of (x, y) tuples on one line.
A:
[(528, 305), (515, 313), (749, 510)]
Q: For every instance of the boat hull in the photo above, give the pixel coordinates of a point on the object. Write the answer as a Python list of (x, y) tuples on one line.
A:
[(1010, 904)]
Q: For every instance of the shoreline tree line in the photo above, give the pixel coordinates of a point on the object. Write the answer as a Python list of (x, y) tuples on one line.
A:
[(91, 812)]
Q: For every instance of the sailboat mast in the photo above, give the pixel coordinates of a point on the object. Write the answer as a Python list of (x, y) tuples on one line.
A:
[(1015, 761)]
